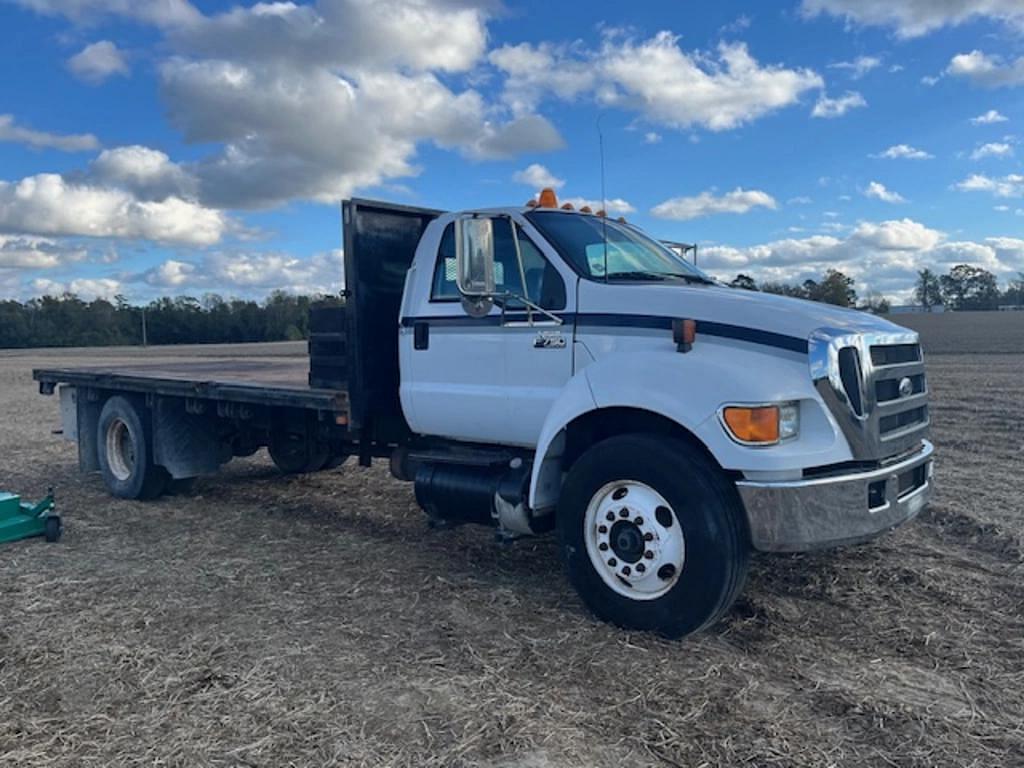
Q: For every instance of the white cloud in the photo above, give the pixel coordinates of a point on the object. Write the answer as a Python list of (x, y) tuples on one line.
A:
[(171, 274), (707, 204), (288, 131), (859, 66), (652, 137), (252, 274), (799, 200), (28, 252), (879, 191), (147, 173), (882, 257), (72, 142), (992, 116), (913, 18), (992, 149), (85, 288), (97, 62), (896, 235), (616, 206), (905, 152), (1011, 185), (47, 204), (827, 107), (654, 77), (537, 176), (158, 12), (316, 101), (989, 71)]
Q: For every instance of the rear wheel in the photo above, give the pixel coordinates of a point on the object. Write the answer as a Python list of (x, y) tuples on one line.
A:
[(653, 534), (296, 454), (126, 452)]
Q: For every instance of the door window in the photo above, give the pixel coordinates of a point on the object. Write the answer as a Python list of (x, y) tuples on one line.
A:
[(544, 286)]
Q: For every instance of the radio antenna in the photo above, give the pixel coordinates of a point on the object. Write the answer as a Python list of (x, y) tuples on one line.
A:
[(604, 202)]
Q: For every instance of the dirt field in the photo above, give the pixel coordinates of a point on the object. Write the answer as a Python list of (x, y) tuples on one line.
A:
[(268, 621)]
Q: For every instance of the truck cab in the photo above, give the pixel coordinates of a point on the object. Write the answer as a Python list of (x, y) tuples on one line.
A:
[(540, 368)]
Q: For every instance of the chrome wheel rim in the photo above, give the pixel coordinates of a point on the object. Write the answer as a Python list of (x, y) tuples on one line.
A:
[(634, 540), (120, 450)]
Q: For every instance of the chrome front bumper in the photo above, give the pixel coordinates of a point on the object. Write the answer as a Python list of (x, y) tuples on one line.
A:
[(800, 515)]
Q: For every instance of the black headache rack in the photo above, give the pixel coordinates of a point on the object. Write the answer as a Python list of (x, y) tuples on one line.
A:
[(355, 346)]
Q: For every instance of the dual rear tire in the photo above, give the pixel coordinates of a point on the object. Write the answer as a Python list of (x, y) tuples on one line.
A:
[(125, 449)]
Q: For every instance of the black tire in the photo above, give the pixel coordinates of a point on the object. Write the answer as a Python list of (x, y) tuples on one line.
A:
[(294, 454), (125, 449), (706, 506), (54, 528)]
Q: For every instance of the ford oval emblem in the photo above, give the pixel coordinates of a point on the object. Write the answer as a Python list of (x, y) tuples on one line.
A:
[(906, 387)]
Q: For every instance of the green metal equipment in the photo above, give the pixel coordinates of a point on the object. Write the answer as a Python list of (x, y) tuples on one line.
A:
[(19, 520)]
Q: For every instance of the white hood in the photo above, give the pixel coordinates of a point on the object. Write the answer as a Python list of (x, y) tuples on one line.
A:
[(710, 303)]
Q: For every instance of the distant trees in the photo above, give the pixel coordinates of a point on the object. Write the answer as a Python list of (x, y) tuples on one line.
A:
[(65, 321), (746, 282), (928, 290), (969, 287), (964, 287), (834, 288)]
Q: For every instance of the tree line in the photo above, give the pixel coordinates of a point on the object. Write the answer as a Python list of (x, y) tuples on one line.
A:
[(68, 321), (964, 287)]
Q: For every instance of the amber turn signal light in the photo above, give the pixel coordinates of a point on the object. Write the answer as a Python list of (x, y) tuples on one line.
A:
[(758, 424)]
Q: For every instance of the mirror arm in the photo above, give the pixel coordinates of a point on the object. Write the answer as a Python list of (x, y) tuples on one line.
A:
[(529, 306), (519, 263)]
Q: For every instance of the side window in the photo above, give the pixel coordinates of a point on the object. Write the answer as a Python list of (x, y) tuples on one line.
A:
[(444, 287), (544, 286)]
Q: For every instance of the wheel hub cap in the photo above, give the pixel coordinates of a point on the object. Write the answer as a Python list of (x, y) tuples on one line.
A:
[(634, 540)]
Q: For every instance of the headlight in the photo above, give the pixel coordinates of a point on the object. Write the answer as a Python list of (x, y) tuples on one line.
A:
[(762, 424)]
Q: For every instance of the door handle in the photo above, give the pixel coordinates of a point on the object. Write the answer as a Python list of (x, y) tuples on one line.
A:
[(420, 335)]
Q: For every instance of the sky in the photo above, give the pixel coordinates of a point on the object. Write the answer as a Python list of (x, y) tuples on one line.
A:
[(180, 147)]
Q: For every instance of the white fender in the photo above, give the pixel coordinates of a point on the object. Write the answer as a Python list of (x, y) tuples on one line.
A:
[(689, 389)]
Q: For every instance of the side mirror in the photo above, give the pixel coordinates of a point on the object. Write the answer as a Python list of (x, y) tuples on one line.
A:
[(474, 257)]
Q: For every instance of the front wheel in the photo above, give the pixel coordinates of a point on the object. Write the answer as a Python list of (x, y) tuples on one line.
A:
[(653, 534)]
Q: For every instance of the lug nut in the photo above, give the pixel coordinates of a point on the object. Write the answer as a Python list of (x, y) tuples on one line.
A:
[(603, 547), (648, 536), (602, 529), (625, 570), (640, 567), (610, 516), (613, 562), (638, 521), (649, 555), (624, 512)]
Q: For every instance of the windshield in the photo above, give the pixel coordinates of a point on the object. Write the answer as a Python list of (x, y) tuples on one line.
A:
[(629, 254)]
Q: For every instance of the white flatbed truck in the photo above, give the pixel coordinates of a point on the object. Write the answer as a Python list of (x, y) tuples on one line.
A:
[(541, 369)]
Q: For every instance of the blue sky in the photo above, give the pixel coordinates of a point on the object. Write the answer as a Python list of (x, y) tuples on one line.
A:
[(172, 147)]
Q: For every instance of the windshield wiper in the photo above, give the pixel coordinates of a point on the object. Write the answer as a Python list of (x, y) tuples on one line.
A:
[(637, 276), (660, 276)]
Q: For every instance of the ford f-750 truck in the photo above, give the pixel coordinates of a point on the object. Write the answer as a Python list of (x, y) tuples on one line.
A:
[(539, 368)]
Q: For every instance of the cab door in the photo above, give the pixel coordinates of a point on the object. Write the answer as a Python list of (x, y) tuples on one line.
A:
[(487, 379)]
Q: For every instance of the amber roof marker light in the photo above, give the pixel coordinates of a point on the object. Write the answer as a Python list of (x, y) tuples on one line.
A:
[(547, 198)]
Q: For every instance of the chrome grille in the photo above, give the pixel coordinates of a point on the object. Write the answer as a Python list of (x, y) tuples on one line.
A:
[(875, 386)]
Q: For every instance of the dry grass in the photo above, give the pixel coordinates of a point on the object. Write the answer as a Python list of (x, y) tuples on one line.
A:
[(266, 621)]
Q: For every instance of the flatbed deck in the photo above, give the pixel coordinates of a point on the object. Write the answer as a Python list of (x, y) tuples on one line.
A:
[(281, 382)]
